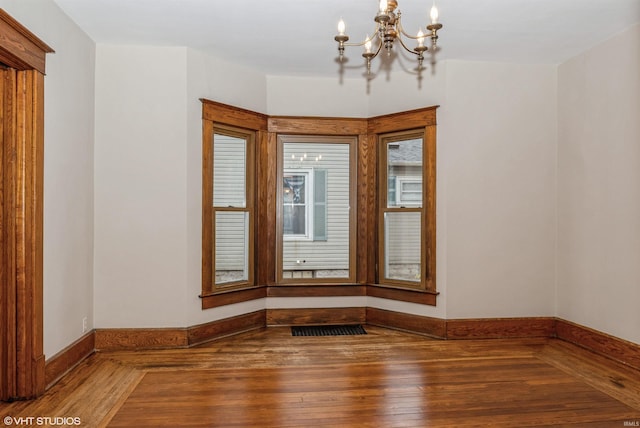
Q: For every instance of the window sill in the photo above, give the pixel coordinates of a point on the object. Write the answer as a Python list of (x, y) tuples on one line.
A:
[(229, 297), (423, 297), (317, 290)]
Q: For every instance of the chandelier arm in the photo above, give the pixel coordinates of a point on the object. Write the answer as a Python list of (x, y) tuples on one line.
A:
[(404, 33), (370, 39), (355, 44), (372, 55), (407, 48), (379, 48)]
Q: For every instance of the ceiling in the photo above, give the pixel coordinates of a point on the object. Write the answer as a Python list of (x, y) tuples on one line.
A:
[(295, 37)]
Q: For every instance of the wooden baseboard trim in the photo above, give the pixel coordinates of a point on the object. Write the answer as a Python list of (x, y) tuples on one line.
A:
[(500, 328), (226, 327), (433, 327), (316, 316), (612, 347), (119, 339), (64, 361), (617, 349)]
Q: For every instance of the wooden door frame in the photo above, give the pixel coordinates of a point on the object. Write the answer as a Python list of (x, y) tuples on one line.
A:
[(21, 219)]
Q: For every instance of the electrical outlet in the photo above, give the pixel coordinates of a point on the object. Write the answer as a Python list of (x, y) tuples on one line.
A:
[(84, 325)]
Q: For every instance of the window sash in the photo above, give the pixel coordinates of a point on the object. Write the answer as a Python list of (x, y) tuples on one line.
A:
[(401, 216), (324, 255), (230, 196)]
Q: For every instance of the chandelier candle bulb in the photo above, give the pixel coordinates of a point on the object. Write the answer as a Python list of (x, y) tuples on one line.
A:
[(341, 27), (367, 45), (434, 14), (420, 38)]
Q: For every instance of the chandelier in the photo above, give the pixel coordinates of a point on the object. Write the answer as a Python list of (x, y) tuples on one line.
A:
[(388, 30)]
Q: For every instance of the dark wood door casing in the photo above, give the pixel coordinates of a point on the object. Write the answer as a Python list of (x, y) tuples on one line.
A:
[(21, 214)]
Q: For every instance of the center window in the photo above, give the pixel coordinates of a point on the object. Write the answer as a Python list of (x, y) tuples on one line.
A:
[(316, 197)]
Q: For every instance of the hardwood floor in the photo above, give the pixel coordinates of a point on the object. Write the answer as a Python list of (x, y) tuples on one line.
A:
[(268, 378)]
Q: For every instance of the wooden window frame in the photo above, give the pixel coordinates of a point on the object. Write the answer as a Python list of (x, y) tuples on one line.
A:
[(384, 140), (250, 126), (249, 138), (366, 132), (420, 121)]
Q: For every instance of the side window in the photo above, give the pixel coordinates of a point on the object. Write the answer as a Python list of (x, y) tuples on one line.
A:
[(228, 215), (401, 212)]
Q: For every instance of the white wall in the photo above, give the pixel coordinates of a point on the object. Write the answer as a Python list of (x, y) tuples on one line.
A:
[(335, 97), (148, 181), (68, 170), (300, 96), (140, 187), (599, 187), (498, 128)]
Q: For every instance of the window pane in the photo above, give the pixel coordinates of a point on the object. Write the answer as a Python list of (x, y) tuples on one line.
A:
[(294, 219), (294, 201), (316, 213), (229, 163), (411, 186), (232, 249), (404, 173), (402, 245), (320, 204), (410, 192), (294, 188)]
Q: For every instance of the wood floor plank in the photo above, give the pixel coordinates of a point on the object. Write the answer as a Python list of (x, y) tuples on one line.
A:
[(268, 378), (90, 393), (495, 390)]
